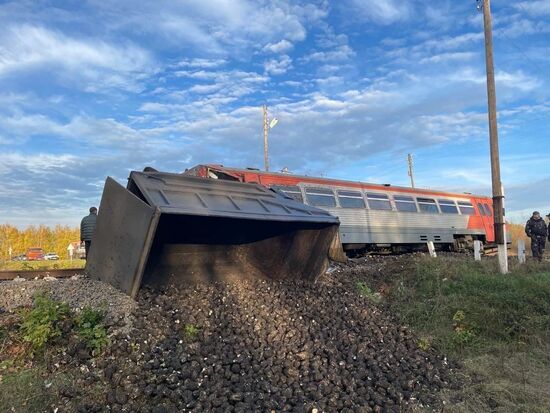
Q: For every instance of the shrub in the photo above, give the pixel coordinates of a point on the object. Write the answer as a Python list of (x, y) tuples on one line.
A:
[(41, 323), (89, 326)]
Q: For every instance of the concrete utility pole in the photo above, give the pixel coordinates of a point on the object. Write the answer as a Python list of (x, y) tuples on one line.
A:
[(410, 161), (266, 131), (493, 136)]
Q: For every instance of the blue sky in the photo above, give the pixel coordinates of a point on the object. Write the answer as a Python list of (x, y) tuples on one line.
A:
[(97, 88)]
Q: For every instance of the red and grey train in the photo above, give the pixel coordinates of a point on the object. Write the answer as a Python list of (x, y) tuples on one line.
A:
[(373, 216)]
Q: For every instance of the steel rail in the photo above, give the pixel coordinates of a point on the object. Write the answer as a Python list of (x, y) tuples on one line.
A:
[(39, 274)]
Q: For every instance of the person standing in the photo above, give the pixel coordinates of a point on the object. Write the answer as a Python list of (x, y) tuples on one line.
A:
[(87, 229), (537, 230)]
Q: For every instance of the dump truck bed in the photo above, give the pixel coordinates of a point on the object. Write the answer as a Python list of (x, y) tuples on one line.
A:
[(169, 228)]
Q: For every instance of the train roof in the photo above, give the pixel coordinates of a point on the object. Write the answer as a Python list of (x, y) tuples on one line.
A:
[(343, 182)]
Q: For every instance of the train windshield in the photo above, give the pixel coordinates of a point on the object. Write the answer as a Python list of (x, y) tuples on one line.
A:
[(405, 203), (427, 205), (322, 197), (351, 199), (448, 206), (481, 210), (466, 208)]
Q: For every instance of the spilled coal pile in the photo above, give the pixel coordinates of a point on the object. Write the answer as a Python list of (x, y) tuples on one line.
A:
[(267, 346)]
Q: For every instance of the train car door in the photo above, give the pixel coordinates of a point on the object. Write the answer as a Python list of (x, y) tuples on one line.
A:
[(486, 214)]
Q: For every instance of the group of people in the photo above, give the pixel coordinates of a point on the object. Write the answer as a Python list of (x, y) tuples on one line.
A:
[(537, 230)]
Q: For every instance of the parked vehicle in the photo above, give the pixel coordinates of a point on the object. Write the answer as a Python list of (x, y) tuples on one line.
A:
[(51, 256), (35, 254), (21, 257)]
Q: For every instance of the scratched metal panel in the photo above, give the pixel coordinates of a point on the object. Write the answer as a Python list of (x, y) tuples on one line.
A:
[(123, 236), (187, 195)]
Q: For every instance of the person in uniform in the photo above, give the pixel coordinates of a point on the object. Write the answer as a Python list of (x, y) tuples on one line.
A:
[(537, 230)]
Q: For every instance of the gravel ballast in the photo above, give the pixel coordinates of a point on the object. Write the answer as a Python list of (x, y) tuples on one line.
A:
[(77, 291)]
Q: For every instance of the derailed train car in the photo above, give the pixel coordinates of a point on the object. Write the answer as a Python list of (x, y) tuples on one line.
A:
[(170, 229), (374, 217)]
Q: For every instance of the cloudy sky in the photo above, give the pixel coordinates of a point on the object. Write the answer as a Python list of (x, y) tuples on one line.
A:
[(96, 88)]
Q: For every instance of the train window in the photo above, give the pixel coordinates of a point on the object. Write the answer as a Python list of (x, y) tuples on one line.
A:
[(378, 201), (481, 209), (320, 197), (427, 205), (487, 210), (291, 191), (466, 208), (351, 199), (447, 206), (405, 203)]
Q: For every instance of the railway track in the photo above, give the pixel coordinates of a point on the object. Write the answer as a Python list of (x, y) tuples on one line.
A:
[(39, 274)]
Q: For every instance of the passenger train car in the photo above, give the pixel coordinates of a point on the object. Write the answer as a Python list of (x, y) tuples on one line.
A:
[(373, 216)]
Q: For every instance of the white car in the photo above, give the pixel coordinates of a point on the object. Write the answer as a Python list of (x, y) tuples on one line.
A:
[(51, 256)]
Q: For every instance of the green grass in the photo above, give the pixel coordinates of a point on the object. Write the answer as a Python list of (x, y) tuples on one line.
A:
[(24, 391), (497, 325), (41, 265), (31, 390)]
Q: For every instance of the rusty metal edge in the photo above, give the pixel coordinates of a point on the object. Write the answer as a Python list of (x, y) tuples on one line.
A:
[(138, 276)]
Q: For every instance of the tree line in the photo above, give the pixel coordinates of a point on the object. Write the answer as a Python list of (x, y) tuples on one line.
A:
[(54, 239), (58, 238)]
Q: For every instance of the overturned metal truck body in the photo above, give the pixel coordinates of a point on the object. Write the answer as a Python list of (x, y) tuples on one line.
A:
[(166, 228)]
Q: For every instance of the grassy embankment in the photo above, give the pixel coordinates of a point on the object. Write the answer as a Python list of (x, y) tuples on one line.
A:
[(30, 339), (497, 326), (41, 265)]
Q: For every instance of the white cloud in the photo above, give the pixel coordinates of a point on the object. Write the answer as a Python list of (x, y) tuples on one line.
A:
[(506, 82), (339, 54), (382, 11), (202, 63), (450, 42), (278, 66), (534, 8), (96, 63), (280, 47), (446, 57), (516, 80), (522, 27), (216, 27), (205, 88), (28, 45)]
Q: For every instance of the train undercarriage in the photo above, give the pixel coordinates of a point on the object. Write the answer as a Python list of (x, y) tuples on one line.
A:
[(462, 243)]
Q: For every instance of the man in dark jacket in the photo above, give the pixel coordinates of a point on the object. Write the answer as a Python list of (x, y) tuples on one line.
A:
[(537, 230), (87, 229)]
